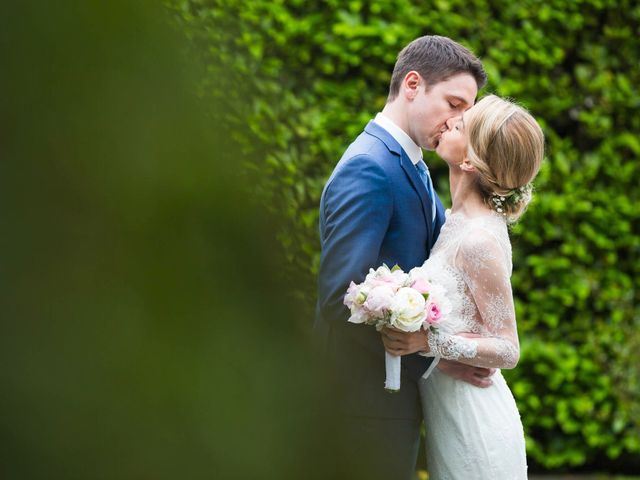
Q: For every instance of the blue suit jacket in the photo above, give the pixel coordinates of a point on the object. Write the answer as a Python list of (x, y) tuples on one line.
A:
[(374, 210)]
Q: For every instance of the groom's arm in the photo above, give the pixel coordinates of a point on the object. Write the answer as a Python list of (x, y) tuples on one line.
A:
[(478, 376), (357, 207)]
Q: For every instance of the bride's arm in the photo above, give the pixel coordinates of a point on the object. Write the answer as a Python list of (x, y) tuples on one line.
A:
[(486, 269)]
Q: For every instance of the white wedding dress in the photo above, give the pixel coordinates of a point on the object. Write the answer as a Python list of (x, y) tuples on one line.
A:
[(472, 432)]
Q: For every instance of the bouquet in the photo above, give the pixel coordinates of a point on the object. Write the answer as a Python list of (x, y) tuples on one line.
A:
[(393, 298)]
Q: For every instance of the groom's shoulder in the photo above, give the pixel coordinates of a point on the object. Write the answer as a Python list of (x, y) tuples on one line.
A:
[(371, 155), (376, 139), (370, 146)]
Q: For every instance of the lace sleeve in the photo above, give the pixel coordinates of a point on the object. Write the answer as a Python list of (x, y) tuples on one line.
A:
[(486, 268)]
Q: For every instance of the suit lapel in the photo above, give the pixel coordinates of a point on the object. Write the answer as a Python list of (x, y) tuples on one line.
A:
[(440, 218), (421, 190), (410, 170)]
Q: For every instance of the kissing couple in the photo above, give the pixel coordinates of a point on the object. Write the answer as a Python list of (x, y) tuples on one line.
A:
[(380, 206)]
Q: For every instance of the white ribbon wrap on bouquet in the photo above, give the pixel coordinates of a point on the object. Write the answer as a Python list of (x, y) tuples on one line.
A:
[(392, 367), (433, 365)]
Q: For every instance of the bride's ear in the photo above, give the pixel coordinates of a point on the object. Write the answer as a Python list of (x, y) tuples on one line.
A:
[(467, 166)]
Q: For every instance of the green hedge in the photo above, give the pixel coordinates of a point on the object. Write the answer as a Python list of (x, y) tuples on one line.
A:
[(319, 70)]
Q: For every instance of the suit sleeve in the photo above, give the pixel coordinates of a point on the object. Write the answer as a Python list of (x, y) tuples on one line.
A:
[(357, 207)]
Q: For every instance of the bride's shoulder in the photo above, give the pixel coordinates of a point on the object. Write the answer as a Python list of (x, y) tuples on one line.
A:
[(487, 237), (489, 222)]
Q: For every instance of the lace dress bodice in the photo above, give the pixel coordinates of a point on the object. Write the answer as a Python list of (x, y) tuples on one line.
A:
[(472, 261)]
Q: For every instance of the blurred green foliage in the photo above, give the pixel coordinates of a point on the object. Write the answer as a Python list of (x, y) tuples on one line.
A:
[(320, 71), (144, 332)]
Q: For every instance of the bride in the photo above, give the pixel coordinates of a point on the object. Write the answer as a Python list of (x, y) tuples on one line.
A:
[(493, 151)]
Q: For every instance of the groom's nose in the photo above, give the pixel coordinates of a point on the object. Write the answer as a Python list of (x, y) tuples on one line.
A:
[(449, 123)]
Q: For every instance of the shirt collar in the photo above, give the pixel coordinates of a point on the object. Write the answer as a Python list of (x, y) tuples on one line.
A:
[(409, 146)]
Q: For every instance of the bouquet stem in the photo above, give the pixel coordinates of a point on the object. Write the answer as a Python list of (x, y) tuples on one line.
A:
[(392, 367), (432, 367)]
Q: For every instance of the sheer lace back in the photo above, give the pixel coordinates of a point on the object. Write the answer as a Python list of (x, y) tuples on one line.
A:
[(472, 260)]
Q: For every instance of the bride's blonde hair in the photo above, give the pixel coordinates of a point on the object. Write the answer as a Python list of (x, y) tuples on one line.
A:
[(506, 147)]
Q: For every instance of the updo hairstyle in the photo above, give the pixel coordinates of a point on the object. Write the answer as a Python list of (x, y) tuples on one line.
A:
[(506, 146)]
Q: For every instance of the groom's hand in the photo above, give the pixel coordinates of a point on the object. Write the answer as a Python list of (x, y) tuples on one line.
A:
[(397, 342), (480, 377)]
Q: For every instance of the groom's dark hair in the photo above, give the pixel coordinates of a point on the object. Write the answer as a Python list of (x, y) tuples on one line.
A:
[(436, 59)]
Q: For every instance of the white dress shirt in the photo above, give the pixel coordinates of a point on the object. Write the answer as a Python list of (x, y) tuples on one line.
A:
[(400, 136)]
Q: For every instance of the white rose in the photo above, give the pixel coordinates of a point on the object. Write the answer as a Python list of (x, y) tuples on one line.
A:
[(356, 295), (362, 295), (374, 275), (379, 300), (350, 297), (400, 278), (358, 315), (407, 310), (419, 273)]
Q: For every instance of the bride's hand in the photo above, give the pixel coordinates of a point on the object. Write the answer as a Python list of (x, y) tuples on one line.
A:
[(397, 342)]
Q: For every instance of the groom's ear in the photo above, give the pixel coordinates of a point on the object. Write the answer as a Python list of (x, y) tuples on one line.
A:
[(410, 84)]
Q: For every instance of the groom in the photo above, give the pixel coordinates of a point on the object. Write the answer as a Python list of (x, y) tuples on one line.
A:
[(379, 206)]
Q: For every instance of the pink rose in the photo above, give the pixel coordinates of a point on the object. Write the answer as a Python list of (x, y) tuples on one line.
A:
[(379, 300), (421, 285), (433, 313), (379, 282)]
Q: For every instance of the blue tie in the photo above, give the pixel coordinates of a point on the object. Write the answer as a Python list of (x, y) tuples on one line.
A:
[(423, 171)]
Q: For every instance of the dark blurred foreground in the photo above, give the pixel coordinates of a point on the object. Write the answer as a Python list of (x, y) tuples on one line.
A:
[(146, 332)]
